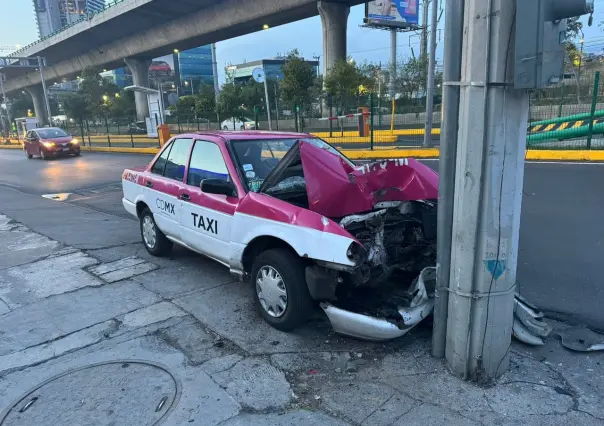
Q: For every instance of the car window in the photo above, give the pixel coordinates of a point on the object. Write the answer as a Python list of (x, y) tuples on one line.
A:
[(207, 162), (160, 163), (29, 134), (52, 132), (177, 159)]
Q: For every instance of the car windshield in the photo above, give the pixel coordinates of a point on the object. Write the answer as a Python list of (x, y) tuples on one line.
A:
[(258, 158), (51, 133)]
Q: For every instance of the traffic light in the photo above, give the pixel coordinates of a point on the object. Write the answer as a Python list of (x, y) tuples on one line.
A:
[(540, 38)]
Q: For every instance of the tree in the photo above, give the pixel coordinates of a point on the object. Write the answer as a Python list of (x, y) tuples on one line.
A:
[(20, 104), (186, 105), (342, 83), (97, 92), (573, 27), (76, 106), (205, 101), (298, 79), (411, 75)]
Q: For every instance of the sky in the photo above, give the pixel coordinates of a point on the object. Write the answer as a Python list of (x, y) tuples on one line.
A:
[(363, 44)]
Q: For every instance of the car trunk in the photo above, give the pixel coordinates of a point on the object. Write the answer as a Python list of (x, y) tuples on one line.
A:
[(389, 207)]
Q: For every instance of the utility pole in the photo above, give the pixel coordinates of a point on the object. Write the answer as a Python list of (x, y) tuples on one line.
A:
[(431, 72), (506, 50), (6, 103), (488, 194), (424, 42), (216, 85), (446, 168)]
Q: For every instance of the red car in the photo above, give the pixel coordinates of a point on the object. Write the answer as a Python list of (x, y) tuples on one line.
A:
[(294, 216), (50, 142), (160, 67)]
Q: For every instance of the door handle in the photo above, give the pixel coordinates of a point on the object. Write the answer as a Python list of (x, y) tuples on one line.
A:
[(149, 184), (185, 197)]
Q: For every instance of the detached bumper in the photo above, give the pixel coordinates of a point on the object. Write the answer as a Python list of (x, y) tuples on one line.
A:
[(367, 327)]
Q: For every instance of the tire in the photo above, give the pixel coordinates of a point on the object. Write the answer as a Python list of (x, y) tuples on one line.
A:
[(29, 156), (225, 128), (298, 303), (77, 154), (242, 128), (161, 245)]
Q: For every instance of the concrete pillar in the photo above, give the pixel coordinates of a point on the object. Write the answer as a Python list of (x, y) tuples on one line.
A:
[(334, 17), (37, 95), (140, 77)]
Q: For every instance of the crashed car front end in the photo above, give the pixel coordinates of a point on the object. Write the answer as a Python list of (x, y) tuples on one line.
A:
[(388, 209)]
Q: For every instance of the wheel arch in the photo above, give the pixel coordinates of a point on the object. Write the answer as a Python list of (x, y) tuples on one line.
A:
[(260, 244)]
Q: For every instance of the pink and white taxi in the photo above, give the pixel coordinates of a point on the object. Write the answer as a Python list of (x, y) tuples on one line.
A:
[(294, 216)]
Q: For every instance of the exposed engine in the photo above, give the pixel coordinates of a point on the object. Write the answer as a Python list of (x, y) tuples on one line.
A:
[(398, 236)]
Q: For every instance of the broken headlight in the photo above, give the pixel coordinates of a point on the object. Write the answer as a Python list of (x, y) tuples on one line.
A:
[(355, 251)]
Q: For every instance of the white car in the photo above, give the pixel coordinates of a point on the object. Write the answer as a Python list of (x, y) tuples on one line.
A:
[(235, 123)]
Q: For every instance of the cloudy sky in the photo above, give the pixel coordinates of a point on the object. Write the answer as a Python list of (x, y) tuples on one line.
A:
[(18, 27)]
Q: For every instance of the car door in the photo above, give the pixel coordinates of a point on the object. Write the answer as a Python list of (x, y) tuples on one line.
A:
[(163, 186), (207, 219)]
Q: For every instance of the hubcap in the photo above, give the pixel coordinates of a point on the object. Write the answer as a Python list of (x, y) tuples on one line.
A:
[(149, 234), (271, 291)]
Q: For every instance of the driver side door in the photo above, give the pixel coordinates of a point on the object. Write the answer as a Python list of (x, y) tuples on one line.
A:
[(207, 219)]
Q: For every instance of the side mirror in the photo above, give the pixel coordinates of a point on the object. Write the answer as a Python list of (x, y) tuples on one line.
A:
[(218, 186)]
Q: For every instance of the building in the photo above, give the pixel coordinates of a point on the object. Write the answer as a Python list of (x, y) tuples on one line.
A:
[(273, 69), (186, 70), (52, 15)]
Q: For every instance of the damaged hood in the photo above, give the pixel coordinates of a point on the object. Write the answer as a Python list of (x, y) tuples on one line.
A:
[(337, 188)]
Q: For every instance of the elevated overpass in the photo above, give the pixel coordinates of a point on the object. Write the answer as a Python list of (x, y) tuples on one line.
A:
[(135, 31)]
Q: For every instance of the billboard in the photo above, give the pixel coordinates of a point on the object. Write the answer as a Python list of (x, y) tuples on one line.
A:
[(392, 13)]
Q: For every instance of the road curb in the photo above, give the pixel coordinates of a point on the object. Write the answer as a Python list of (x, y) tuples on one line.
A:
[(531, 154)]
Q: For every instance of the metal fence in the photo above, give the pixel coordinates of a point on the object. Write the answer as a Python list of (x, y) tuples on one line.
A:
[(569, 115)]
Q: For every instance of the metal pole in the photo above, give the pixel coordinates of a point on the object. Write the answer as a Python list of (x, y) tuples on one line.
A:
[(268, 106), (488, 195), (371, 120), (277, 105), (215, 74), (423, 47), (8, 115), (594, 100), (446, 168), (392, 62), (40, 64), (431, 72)]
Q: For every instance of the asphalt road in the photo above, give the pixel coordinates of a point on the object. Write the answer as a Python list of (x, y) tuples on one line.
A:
[(561, 236)]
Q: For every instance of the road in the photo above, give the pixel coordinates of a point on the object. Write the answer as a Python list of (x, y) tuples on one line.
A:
[(561, 236)]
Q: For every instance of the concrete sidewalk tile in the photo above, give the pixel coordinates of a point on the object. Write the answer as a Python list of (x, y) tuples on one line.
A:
[(527, 399), (441, 389), (300, 417), (396, 407), (193, 341), (61, 315), (357, 400), (222, 363), (151, 314), (104, 268), (128, 272), (428, 414), (173, 281), (22, 285), (568, 419), (254, 383)]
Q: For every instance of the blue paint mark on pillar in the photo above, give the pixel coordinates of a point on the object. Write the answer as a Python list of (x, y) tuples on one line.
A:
[(495, 267)]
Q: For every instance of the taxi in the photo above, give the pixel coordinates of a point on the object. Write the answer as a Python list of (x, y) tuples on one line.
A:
[(298, 220)]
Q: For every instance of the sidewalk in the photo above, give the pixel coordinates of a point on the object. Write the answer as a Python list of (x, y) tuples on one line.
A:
[(111, 335)]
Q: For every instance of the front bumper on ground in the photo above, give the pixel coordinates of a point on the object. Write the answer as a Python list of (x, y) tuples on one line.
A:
[(367, 327)]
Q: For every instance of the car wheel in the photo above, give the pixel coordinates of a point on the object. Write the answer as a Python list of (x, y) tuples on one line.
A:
[(77, 154), (242, 128), (281, 292), (154, 240), (28, 155), (225, 128)]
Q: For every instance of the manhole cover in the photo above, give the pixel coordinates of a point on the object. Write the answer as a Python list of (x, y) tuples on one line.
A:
[(112, 393)]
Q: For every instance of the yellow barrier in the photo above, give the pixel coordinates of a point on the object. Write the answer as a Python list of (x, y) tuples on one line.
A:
[(377, 134)]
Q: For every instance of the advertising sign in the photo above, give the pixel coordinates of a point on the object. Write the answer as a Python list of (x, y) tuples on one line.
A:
[(392, 13)]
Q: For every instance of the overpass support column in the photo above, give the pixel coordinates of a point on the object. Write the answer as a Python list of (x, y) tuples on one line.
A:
[(140, 77), (334, 17), (37, 95)]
